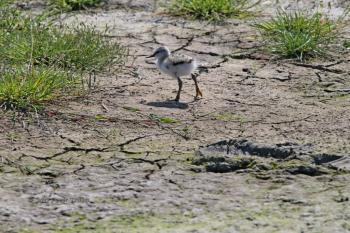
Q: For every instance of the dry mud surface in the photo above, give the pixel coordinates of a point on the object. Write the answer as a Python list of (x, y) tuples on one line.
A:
[(126, 158)]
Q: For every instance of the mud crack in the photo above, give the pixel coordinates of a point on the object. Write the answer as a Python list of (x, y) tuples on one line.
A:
[(321, 68)]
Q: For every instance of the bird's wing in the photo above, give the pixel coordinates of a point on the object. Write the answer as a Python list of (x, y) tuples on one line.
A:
[(179, 59)]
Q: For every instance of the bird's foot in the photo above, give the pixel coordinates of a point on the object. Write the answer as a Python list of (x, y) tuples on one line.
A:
[(177, 99), (198, 96)]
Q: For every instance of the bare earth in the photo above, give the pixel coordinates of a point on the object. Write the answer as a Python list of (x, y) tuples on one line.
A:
[(121, 158)]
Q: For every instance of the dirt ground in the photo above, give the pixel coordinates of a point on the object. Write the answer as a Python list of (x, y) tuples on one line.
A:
[(121, 158)]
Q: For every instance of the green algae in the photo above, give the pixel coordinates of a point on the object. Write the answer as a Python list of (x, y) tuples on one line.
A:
[(227, 117)]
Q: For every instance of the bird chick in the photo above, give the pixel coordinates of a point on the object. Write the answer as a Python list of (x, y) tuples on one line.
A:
[(176, 66)]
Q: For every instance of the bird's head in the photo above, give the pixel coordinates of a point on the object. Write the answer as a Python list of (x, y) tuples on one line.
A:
[(160, 52)]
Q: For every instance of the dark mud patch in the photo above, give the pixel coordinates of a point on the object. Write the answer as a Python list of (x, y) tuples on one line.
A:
[(168, 104), (245, 156)]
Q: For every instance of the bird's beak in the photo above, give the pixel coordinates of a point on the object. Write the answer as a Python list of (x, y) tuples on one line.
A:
[(153, 55)]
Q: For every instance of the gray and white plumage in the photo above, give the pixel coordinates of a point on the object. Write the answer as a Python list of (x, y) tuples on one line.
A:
[(176, 66)]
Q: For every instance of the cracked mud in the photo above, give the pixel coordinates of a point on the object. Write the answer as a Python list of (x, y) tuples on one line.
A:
[(266, 150)]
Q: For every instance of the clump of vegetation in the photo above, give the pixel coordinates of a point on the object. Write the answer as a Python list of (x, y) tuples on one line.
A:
[(73, 5), (39, 61), (298, 34), (21, 88), (212, 10), (346, 44), (82, 48), (166, 120)]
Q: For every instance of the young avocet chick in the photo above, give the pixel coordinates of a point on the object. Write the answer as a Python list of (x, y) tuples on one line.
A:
[(176, 66)]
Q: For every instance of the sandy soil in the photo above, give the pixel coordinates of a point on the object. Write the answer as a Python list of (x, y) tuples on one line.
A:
[(111, 162)]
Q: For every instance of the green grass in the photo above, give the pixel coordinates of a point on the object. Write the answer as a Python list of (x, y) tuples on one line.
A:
[(81, 48), (346, 44), (74, 5), (165, 120), (21, 88), (211, 10), (226, 116), (39, 61), (298, 35), (131, 109)]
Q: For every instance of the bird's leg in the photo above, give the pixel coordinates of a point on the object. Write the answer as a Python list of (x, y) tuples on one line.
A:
[(180, 88), (198, 92)]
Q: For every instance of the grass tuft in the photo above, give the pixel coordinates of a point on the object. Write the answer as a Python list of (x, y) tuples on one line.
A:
[(74, 5), (82, 48), (346, 44), (166, 120), (211, 10), (22, 89), (39, 61), (298, 35)]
